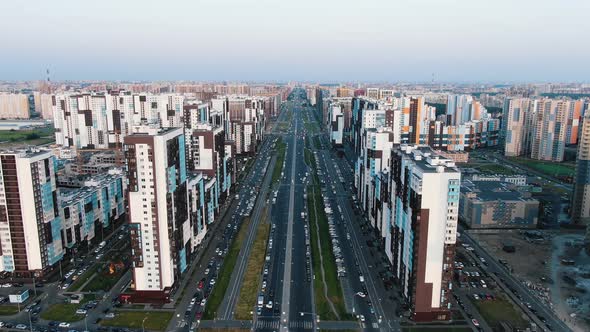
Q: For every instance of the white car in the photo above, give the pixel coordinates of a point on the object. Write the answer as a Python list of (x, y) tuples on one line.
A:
[(203, 302), (193, 301), (269, 305), (362, 318), (64, 324), (206, 271), (81, 312), (6, 285), (212, 282), (21, 327)]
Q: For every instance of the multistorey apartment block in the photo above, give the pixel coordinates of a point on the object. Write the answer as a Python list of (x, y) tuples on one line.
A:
[(30, 222), (14, 106), (580, 211), (373, 161), (424, 193), (168, 209), (541, 128), (336, 124), (102, 120), (97, 203), (244, 120), (206, 153)]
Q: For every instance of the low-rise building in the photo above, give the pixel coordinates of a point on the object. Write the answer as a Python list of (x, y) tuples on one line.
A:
[(494, 204)]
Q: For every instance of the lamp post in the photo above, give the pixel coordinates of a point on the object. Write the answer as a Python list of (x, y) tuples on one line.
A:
[(86, 322), (143, 323), (315, 318), (30, 321)]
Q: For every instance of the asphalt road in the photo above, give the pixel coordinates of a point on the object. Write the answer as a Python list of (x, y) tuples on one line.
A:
[(515, 289)]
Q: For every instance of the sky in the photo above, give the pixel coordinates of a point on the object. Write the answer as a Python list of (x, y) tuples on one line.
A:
[(304, 40)]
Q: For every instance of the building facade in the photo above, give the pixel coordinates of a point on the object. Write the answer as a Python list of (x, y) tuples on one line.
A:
[(580, 209), (30, 220), (424, 193)]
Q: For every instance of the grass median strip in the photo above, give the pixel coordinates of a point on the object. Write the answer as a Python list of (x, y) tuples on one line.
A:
[(225, 273), (251, 281), (87, 275), (281, 150), (154, 320), (330, 269), (498, 310)]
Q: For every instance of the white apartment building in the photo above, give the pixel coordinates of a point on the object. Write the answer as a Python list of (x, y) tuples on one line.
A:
[(424, 191), (30, 224), (102, 120)]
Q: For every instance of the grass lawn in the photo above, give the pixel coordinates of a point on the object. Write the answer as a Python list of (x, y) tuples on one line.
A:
[(104, 281), (309, 158), (317, 143), (550, 168), (500, 310), (156, 320), (311, 128), (225, 272), (253, 275), (281, 150), (26, 135), (494, 169), (8, 310), (66, 312)]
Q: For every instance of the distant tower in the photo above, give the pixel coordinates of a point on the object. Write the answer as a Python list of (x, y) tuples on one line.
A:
[(48, 79)]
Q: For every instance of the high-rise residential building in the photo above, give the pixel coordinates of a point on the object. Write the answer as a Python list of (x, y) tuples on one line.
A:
[(424, 192), (336, 124), (43, 105), (14, 106), (580, 208), (160, 226), (102, 120), (414, 116), (517, 124), (205, 146), (460, 109), (373, 93), (385, 93), (549, 129), (30, 223), (244, 121), (376, 148)]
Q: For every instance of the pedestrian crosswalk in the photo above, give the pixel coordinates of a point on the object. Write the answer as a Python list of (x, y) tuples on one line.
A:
[(275, 324), (307, 325)]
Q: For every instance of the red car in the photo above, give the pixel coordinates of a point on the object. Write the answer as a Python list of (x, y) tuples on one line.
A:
[(199, 315), (200, 285)]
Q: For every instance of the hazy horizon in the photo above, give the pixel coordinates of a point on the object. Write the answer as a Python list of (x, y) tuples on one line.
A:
[(323, 41)]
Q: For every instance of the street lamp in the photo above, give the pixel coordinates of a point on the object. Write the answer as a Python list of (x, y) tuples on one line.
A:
[(143, 323), (30, 321)]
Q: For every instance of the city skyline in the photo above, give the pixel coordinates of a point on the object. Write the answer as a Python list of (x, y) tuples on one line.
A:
[(329, 41)]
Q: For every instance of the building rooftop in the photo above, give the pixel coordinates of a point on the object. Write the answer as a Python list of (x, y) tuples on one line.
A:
[(427, 159), (494, 191)]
